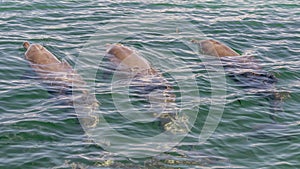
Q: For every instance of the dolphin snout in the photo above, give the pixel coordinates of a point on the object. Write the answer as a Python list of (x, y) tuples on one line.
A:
[(26, 45)]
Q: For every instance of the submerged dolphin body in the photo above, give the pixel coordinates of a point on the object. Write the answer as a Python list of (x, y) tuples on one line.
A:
[(244, 69), (61, 79)]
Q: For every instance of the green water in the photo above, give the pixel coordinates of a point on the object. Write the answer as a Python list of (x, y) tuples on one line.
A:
[(38, 130)]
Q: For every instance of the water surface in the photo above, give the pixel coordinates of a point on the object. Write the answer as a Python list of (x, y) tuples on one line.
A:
[(38, 130)]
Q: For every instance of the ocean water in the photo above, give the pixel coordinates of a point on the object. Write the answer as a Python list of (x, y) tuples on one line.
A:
[(230, 124)]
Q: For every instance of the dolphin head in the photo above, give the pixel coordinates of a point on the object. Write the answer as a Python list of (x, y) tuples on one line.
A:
[(128, 57), (37, 54), (33, 51), (119, 51), (215, 48)]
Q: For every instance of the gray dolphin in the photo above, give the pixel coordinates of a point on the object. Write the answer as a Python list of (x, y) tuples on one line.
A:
[(61, 78), (245, 70), (147, 81)]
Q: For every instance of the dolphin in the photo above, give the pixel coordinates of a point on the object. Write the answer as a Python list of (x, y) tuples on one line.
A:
[(58, 75), (148, 82), (61, 79), (245, 70)]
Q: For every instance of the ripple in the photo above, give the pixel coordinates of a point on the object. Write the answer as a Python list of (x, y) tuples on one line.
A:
[(39, 130)]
